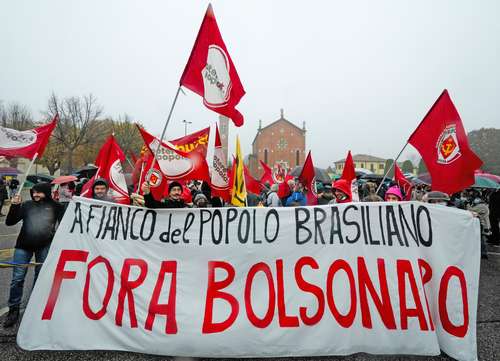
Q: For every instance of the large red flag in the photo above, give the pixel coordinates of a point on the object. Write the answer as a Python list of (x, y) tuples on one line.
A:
[(221, 186), (308, 178), (175, 164), (210, 72), (26, 143), (403, 183), (109, 167), (441, 141)]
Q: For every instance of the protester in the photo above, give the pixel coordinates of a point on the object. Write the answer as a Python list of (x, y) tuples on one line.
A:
[(326, 195), (13, 185), (200, 200), (342, 191), (66, 192), (494, 205), (370, 191), (100, 190), (79, 186), (298, 197), (3, 195), (436, 197), (480, 209), (272, 199), (174, 199), (393, 194), (40, 217), (285, 190)]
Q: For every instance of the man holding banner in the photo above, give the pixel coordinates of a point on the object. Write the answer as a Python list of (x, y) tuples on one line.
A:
[(40, 218)]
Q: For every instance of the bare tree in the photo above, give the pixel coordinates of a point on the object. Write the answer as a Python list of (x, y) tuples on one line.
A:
[(78, 123)]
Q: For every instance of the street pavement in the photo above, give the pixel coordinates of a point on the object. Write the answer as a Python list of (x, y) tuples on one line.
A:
[(488, 325)]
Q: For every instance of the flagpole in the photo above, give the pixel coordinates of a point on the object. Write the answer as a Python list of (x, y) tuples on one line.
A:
[(27, 173), (392, 165), (155, 160)]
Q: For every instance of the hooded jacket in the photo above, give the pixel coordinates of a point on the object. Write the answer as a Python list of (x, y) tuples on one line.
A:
[(296, 197), (40, 219), (345, 187)]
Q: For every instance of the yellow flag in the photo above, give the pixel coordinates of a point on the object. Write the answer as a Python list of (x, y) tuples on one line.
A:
[(239, 190)]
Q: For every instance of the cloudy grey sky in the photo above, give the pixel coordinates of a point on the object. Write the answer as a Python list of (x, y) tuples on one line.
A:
[(361, 74)]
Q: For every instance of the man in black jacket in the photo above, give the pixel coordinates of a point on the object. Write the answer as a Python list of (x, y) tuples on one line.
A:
[(174, 199), (40, 217)]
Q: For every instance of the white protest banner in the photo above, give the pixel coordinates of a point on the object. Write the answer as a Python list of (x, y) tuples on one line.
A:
[(382, 278)]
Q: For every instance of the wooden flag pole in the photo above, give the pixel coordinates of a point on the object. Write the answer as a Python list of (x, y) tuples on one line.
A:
[(392, 165), (27, 173)]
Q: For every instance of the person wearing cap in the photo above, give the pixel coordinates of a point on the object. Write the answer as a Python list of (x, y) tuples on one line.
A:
[(200, 200), (326, 195), (342, 191), (40, 217), (436, 197), (174, 199), (393, 194), (100, 190)]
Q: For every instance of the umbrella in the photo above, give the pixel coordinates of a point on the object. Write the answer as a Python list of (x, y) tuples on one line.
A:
[(493, 177), (64, 179), (483, 182), (480, 181), (9, 171), (321, 174)]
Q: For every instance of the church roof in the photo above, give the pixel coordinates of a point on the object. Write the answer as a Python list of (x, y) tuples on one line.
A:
[(281, 119)]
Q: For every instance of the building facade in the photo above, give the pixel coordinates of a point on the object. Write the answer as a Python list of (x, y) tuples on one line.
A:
[(280, 142), (365, 161)]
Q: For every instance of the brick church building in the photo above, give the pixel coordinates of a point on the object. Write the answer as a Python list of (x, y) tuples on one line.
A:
[(280, 142)]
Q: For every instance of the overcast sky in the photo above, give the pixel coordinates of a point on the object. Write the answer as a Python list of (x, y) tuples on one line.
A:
[(361, 74)]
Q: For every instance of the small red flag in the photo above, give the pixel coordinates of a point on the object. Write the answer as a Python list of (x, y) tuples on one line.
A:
[(109, 168), (252, 184), (174, 164), (403, 183), (348, 173), (210, 72), (442, 142), (268, 174), (308, 178), (221, 185), (26, 143)]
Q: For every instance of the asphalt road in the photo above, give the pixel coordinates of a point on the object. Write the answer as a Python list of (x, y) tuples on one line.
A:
[(488, 325)]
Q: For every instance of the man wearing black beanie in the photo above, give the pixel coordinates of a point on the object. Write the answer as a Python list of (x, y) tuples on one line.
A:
[(40, 216), (174, 199)]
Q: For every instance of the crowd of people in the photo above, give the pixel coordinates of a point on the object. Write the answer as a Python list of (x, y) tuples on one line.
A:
[(41, 215)]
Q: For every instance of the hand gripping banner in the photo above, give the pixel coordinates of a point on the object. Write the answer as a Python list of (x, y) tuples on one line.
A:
[(382, 278)]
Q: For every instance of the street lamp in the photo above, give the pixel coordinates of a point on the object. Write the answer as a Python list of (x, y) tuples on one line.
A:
[(186, 126)]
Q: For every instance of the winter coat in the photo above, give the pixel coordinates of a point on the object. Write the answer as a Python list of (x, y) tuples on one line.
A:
[(40, 221), (273, 200), (3, 192), (324, 199), (150, 202), (296, 197)]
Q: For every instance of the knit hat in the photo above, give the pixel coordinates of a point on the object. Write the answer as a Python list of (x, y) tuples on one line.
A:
[(174, 184), (395, 191), (44, 188), (199, 197)]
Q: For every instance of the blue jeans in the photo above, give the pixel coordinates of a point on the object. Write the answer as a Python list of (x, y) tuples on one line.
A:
[(19, 273)]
